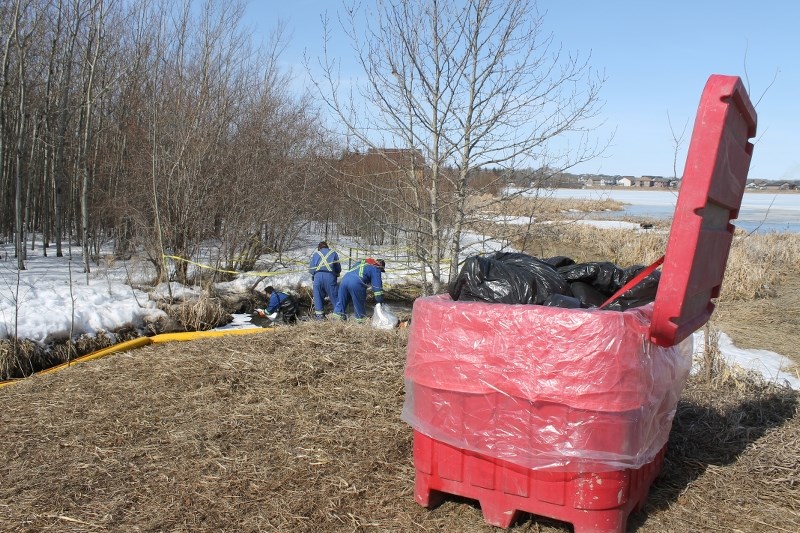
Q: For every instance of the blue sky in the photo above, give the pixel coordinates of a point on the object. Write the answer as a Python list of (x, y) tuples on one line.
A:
[(656, 56)]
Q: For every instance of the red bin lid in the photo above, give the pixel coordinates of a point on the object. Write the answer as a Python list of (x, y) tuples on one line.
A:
[(710, 196)]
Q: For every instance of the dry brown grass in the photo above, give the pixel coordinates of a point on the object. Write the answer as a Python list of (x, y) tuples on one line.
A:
[(624, 247), (543, 206), (21, 357), (766, 323), (733, 461), (757, 264), (299, 430), (200, 314), (25, 357)]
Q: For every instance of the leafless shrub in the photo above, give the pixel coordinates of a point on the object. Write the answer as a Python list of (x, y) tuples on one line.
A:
[(479, 84)]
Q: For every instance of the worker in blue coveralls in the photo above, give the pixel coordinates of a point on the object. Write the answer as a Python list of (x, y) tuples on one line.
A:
[(280, 301), (354, 287), (325, 269)]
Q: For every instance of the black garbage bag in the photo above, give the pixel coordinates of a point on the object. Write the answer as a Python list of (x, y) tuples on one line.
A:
[(588, 295), (559, 300), (516, 278), (606, 277), (642, 293), (594, 283), (505, 277), (559, 261)]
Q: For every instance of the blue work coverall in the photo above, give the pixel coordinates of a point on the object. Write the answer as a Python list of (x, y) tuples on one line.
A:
[(282, 301), (325, 269), (354, 287)]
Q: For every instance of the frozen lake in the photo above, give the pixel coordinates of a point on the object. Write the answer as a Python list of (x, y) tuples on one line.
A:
[(760, 211)]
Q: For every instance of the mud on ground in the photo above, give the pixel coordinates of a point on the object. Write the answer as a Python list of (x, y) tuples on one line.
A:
[(299, 429)]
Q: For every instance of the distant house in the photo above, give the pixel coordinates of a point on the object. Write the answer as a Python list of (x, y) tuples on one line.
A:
[(625, 182), (644, 181), (778, 186), (601, 181)]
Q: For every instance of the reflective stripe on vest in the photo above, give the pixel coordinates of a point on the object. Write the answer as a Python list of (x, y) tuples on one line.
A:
[(359, 269), (324, 261)]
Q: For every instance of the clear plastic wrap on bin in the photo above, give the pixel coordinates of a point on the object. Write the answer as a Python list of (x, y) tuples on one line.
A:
[(542, 387)]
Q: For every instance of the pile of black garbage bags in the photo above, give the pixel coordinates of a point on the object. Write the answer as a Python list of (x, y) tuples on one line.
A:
[(516, 278)]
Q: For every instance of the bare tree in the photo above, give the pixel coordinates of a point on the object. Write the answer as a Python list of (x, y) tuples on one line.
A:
[(90, 64), (467, 85), (154, 122), (75, 17), (9, 29), (25, 27)]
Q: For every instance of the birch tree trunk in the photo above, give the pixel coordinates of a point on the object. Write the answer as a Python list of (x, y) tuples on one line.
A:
[(93, 51), (19, 228), (3, 87)]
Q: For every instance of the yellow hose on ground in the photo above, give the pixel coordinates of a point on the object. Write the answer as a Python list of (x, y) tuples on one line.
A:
[(143, 341), (193, 335)]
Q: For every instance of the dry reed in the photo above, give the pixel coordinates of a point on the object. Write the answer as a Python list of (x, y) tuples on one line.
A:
[(542, 205), (757, 264), (200, 314), (24, 357)]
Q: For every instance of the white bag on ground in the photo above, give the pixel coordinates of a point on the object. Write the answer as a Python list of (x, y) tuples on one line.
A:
[(383, 318)]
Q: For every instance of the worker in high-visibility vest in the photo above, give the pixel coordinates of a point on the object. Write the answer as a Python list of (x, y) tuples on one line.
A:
[(280, 301), (354, 287), (325, 269)]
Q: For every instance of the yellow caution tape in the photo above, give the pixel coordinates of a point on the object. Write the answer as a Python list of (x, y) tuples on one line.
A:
[(236, 272)]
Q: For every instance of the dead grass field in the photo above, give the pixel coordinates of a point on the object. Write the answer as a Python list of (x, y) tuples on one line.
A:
[(299, 430)]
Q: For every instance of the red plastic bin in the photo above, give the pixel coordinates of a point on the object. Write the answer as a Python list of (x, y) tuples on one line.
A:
[(566, 413), (563, 413), (591, 501)]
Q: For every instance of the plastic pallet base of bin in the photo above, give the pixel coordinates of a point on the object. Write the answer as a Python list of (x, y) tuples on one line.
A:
[(593, 502)]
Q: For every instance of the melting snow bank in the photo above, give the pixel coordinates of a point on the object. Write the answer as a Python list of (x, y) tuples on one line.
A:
[(773, 366), (49, 310)]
